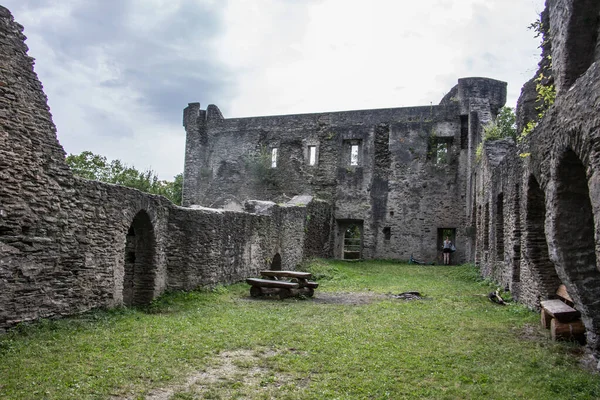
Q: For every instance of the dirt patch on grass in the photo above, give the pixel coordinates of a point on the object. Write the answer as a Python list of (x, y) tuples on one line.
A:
[(357, 298), (232, 374)]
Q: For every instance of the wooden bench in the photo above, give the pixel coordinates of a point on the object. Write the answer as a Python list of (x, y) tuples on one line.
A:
[(561, 318), (274, 285), (301, 277)]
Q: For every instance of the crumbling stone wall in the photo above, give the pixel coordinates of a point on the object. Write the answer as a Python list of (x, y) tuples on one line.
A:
[(553, 211), (399, 190), (68, 245)]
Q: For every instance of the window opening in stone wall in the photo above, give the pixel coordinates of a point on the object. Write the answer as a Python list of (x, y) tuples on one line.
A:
[(574, 227), (536, 247), (312, 155), (139, 273), (439, 151), (464, 132), (274, 157), (486, 227), (276, 263), (500, 227), (387, 233), (354, 154)]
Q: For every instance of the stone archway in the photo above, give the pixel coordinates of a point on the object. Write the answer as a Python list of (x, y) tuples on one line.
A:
[(276, 263), (573, 235), (535, 251), (140, 261)]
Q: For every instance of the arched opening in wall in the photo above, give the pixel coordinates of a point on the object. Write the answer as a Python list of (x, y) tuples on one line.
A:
[(516, 240), (140, 261), (500, 227), (581, 32), (536, 247), (276, 263), (574, 226)]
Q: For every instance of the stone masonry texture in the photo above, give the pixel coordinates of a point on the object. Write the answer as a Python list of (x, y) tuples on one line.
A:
[(68, 245)]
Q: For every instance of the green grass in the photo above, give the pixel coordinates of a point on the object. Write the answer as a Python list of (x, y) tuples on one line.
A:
[(455, 344)]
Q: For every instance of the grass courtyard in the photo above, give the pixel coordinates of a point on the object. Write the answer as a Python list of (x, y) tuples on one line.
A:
[(352, 341)]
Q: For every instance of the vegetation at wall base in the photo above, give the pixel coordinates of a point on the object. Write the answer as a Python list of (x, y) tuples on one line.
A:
[(352, 341)]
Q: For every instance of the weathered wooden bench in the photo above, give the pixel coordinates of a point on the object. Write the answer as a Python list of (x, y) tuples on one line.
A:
[(300, 284), (561, 318)]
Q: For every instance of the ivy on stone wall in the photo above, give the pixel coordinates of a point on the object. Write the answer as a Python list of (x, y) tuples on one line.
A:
[(544, 81), (259, 165)]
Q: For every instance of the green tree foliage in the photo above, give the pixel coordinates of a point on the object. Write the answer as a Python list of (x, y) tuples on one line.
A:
[(96, 167), (503, 126)]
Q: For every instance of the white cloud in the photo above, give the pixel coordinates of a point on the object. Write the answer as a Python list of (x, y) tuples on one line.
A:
[(119, 73)]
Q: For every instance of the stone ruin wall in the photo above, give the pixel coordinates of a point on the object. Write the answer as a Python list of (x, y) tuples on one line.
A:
[(550, 222), (401, 195), (65, 241)]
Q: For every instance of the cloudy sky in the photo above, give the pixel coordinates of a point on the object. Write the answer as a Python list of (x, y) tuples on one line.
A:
[(118, 73)]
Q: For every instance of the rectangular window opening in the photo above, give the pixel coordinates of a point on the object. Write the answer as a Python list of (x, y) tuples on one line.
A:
[(354, 154), (464, 132), (439, 151), (387, 233), (274, 157), (312, 155)]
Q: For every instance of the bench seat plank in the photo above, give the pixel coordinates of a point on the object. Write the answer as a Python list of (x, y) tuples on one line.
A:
[(286, 274), (271, 283), (559, 310)]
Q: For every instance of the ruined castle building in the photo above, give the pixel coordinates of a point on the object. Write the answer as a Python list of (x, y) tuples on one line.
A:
[(68, 245), (387, 183), (398, 178)]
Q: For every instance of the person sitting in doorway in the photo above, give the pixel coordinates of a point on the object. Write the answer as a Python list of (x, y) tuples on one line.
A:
[(446, 250)]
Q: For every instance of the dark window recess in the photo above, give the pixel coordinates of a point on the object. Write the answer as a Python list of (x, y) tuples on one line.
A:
[(500, 227), (464, 132), (387, 233)]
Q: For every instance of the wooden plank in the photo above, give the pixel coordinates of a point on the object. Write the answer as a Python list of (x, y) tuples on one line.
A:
[(564, 295), (546, 318), (572, 331), (272, 284), (559, 310), (286, 274)]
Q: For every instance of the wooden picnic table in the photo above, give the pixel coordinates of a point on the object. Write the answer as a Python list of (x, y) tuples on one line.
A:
[(296, 284)]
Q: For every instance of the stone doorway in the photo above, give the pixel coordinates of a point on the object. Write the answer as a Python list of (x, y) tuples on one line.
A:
[(350, 233), (441, 236), (573, 233), (140, 262), (276, 263), (535, 253)]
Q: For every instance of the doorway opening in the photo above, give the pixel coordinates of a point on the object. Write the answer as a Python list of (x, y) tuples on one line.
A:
[(442, 233), (350, 233), (276, 263), (140, 262)]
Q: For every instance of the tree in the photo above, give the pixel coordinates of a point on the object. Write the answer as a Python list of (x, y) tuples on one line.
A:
[(96, 167), (505, 125)]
